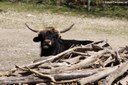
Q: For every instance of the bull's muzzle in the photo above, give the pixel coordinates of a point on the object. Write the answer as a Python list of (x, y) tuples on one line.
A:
[(48, 42)]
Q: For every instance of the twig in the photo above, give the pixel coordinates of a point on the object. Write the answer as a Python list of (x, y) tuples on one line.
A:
[(23, 69), (80, 53), (109, 60)]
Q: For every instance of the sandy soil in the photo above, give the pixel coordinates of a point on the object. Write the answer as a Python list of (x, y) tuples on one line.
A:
[(17, 47)]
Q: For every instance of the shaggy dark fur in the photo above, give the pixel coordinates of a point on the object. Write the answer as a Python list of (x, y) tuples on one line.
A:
[(52, 44)]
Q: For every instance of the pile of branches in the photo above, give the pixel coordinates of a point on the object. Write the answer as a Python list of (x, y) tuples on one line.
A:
[(93, 64)]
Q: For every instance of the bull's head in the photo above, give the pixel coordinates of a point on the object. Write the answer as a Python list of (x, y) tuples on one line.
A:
[(48, 36)]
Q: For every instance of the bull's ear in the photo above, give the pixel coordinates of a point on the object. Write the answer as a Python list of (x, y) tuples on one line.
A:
[(36, 39)]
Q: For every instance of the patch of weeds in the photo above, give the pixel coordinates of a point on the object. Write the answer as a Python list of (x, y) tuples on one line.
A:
[(111, 11), (96, 11)]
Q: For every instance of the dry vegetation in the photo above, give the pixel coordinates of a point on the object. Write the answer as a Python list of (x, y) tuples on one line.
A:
[(92, 64)]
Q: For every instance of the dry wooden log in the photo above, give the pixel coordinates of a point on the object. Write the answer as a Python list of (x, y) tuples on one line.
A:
[(109, 60), (83, 48), (41, 59), (52, 79), (73, 60), (50, 65), (97, 76), (80, 53), (23, 80), (77, 73), (112, 59), (113, 76), (30, 80), (118, 56), (123, 50), (124, 81), (86, 71), (84, 63)]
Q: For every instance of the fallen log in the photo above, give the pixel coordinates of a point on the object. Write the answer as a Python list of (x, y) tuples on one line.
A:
[(124, 81), (23, 80), (84, 63), (113, 76), (97, 76), (77, 73)]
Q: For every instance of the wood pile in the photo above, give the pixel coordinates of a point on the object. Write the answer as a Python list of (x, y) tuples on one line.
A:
[(93, 64)]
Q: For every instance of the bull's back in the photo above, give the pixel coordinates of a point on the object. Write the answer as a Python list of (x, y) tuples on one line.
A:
[(70, 43)]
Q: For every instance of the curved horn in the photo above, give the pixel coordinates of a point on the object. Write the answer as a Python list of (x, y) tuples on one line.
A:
[(31, 28), (65, 30)]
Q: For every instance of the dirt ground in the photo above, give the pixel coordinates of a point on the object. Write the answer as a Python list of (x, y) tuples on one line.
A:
[(17, 47)]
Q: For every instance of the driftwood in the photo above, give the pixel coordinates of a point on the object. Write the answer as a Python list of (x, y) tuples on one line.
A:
[(97, 76), (93, 64), (83, 64), (124, 81), (16, 80), (117, 73)]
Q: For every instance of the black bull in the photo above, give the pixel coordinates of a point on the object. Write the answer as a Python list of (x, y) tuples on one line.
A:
[(51, 42)]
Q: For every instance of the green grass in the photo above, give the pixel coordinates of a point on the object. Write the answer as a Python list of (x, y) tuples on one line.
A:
[(32, 7), (108, 11), (111, 11)]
